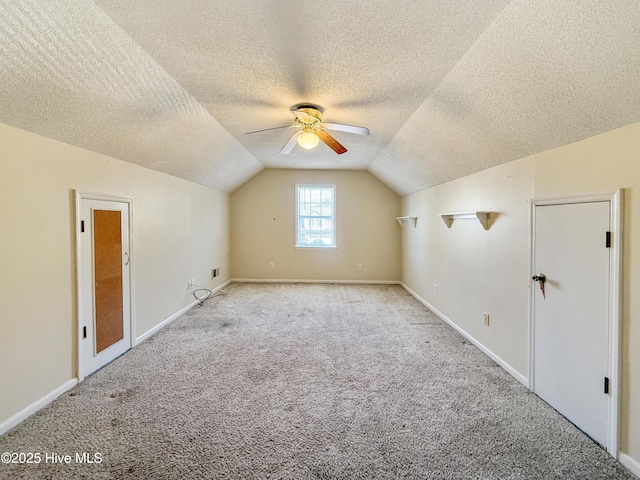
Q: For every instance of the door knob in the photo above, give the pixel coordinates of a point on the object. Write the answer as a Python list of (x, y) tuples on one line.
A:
[(539, 278)]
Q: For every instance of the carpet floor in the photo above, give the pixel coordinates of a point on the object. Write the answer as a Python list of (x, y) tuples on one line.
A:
[(305, 381)]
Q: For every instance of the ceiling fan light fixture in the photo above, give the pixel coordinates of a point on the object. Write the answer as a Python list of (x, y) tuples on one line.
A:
[(308, 140), (308, 119)]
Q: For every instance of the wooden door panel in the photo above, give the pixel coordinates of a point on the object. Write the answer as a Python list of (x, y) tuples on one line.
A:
[(108, 278)]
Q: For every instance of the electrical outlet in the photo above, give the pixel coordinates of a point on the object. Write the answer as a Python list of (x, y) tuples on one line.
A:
[(191, 283), (486, 319), (435, 288), (359, 266), (272, 265), (215, 272)]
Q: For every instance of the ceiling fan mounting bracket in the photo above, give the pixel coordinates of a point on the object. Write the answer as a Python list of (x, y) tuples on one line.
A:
[(305, 106)]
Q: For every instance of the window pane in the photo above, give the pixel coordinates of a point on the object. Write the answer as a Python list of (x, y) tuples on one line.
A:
[(315, 216), (316, 209)]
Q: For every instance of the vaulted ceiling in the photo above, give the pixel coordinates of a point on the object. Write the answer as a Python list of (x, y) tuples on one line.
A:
[(447, 88)]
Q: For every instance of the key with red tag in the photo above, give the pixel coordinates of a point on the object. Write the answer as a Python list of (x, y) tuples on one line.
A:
[(541, 279)]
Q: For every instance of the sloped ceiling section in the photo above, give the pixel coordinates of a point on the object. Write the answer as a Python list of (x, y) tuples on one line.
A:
[(446, 88), (544, 74), (69, 73)]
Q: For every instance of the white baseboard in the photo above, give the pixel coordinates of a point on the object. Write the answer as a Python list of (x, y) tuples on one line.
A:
[(25, 413), (294, 280), (166, 322), (512, 371), (631, 463)]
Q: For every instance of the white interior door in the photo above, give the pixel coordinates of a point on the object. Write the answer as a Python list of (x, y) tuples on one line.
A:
[(571, 320), (104, 283)]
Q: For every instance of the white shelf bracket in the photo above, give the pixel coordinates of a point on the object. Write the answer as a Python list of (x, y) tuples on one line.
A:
[(413, 220), (481, 216)]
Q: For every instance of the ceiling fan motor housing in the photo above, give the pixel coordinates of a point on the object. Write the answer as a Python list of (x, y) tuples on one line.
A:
[(308, 117)]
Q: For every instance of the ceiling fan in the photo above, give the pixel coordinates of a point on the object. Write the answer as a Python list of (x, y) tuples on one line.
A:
[(308, 118)]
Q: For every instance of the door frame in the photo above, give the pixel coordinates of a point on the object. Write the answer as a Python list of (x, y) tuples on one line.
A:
[(81, 372), (615, 200)]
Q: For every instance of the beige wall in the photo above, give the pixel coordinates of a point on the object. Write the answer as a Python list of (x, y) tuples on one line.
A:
[(180, 231), (487, 271), (476, 270), (263, 228)]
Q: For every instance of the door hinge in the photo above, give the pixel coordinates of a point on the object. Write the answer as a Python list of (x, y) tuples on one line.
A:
[(82, 226), (84, 332), (608, 240), (606, 385)]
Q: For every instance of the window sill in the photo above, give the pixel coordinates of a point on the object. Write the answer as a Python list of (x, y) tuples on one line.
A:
[(315, 247)]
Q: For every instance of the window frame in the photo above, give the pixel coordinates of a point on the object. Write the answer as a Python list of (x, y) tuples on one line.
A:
[(333, 244)]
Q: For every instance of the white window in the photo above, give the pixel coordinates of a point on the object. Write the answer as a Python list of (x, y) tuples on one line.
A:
[(315, 216)]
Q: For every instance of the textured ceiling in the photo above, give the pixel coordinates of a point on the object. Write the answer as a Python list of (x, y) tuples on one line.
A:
[(446, 88)]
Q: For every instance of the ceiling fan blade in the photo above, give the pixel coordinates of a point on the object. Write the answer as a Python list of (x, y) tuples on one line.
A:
[(346, 128), (331, 142), (291, 143), (267, 129)]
